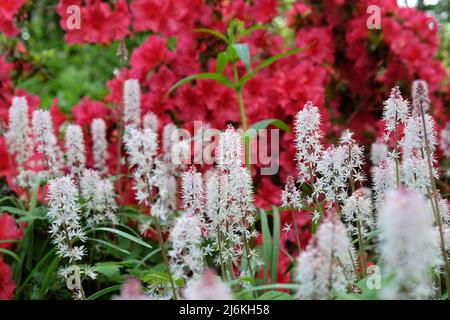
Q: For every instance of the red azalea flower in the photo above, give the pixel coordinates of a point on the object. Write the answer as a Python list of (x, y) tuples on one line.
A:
[(87, 110), (150, 54), (7, 285), (8, 11), (9, 230)]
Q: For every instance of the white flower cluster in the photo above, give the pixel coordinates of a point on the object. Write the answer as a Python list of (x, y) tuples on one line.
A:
[(47, 143), (65, 216), (358, 211), (99, 196), (99, 145), (327, 266), (395, 112), (229, 202), (186, 256), (338, 167), (18, 136), (308, 141), (75, 150), (192, 192), (290, 196), (132, 104), (142, 147), (409, 245)]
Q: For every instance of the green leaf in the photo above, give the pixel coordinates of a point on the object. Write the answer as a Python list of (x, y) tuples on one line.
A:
[(110, 270), (251, 30), (243, 53), (155, 277), (148, 256), (275, 295), (50, 272), (266, 63), (35, 270), (275, 245), (34, 193), (102, 292), (14, 210), (222, 61), (267, 249), (125, 235), (10, 253), (110, 245), (8, 241), (215, 33), (263, 124), (289, 286), (208, 75)]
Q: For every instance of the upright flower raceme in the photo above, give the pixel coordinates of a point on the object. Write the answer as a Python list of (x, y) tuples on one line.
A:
[(409, 245), (76, 152), (18, 136), (339, 167), (308, 141), (416, 173), (383, 180), (420, 95), (358, 209), (229, 150), (290, 196), (65, 216), (132, 104), (327, 266), (47, 143), (186, 254), (100, 198), (395, 112), (150, 121), (192, 192), (141, 147), (99, 144), (378, 152)]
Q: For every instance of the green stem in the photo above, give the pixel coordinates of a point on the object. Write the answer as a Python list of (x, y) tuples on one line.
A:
[(436, 201), (361, 251), (297, 233), (243, 119), (397, 169), (164, 256)]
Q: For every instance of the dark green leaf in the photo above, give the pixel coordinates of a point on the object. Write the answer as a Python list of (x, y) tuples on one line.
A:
[(275, 295), (102, 292), (275, 245)]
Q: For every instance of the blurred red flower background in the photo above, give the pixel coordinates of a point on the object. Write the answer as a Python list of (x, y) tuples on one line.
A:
[(345, 69)]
